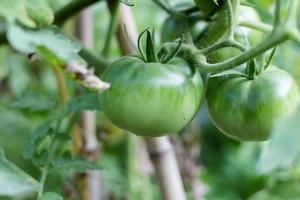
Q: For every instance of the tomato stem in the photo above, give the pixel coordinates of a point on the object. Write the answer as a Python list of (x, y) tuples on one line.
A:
[(224, 44), (276, 37), (259, 26), (114, 21)]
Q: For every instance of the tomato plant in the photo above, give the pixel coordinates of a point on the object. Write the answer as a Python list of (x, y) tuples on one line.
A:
[(73, 97)]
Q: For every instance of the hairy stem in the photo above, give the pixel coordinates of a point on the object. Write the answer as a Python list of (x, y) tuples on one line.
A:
[(224, 44), (45, 169), (259, 26), (113, 24), (277, 37)]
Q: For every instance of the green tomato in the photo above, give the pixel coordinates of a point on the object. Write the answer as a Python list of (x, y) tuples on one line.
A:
[(208, 6), (173, 29), (253, 36), (151, 99), (246, 109)]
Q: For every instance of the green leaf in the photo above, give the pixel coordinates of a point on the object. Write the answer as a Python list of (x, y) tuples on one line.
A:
[(283, 148), (29, 41), (51, 196), (13, 181), (14, 11), (34, 102), (39, 133), (75, 164), (40, 12), (89, 101), (19, 78)]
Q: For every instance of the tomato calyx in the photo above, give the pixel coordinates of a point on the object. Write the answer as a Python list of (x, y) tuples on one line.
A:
[(162, 56), (259, 65)]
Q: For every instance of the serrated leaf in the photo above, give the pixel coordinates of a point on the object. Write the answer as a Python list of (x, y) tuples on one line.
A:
[(283, 148), (33, 102), (14, 11), (28, 41), (75, 164), (89, 101), (14, 181), (19, 78), (40, 12), (38, 133), (51, 196)]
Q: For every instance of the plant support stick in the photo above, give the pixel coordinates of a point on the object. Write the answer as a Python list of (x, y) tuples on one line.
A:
[(92, 189)]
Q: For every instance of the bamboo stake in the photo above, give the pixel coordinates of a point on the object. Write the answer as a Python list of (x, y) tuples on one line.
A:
[(92, 185)]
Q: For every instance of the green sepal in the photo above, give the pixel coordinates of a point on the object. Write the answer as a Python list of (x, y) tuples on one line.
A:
[(251, 69), (162, 54), (270, 58), (174, 52), (259, 61), (140, 45), (127, 3), (151, 53)]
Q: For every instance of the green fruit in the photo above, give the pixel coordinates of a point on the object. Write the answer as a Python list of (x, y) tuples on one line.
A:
[(253, 36), (208, 6), (173, 29), (151, 99), (246, 109)]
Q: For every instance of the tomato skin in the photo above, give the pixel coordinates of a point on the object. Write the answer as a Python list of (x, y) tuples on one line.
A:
[(151, 99), (254, 37), (173, 29), (246, 109), (207, 6)]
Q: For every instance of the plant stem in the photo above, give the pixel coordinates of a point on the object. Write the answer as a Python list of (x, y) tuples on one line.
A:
[(231, 20), (98, 62), (259, 26), (223, 44), (277, 13), (275, 38), (63, 93), (42, 182), (61, 85), (45, 169), (113, 24), (71, 9)]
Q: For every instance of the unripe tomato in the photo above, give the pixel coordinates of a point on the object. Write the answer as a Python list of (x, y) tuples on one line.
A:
[(173, 29), (151, 99), (246, 109), (208, 6), (253, 36)]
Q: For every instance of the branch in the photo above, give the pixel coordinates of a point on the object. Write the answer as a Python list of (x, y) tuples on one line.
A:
[(60, 17), (71, 9)]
